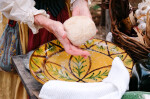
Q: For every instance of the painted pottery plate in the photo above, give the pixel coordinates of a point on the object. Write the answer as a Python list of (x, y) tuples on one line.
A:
[(51, 62)]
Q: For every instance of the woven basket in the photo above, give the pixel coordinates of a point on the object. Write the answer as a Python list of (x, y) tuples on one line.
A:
[(119, 10)]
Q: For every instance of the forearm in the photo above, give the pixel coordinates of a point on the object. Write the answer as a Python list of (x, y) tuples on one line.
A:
[(52, 26), (80, 8), (45, 22), (42, 21), (79, 3), (88, 1)]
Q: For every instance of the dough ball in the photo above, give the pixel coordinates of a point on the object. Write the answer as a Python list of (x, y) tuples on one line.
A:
[(79, 29)]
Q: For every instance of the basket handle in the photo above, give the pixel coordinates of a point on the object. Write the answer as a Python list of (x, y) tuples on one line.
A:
[(113, 22)]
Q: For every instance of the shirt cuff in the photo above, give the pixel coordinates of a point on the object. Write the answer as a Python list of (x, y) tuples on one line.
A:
[(30, 21)]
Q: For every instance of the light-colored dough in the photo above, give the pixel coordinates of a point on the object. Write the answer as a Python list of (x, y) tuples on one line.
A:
[(79, 29)]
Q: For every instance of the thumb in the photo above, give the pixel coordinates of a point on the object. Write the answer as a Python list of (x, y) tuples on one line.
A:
[(62, 33)]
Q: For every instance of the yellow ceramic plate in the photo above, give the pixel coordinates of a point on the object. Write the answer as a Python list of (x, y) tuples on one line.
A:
[(51, 62)]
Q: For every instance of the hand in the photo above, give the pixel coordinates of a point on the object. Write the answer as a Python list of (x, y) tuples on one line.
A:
[(71, 49), (58, 30), (52, 26), (80, 8)]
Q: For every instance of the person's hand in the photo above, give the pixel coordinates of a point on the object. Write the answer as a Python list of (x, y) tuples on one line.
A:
[(71, 49), (80, 8), (58, 30)]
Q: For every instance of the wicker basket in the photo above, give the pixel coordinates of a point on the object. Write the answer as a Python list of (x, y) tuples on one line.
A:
[(119, 10)]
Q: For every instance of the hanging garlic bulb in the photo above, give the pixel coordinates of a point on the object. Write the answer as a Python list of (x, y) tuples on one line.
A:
[(137, 13), (142, 26), (141, 20), (141, 14), (144, 10)]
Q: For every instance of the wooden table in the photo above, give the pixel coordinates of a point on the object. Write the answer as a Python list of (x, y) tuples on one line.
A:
[(31, 85)]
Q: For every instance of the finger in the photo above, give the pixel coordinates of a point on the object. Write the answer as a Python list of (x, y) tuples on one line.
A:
[(65, 32), (96, 30), (64, 35), (85, 56), (66, 44), (78, 51), (70, 49)]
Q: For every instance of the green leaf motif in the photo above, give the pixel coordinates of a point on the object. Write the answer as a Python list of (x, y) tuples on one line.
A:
[(120, 56), (41, 75), (51, 47), (89, 42), (39, 51), (60, 73), (33, 67), (114, 49), (78, 67), (58, 43), (128, 61), (98, 76), (36, 60), (101, 47)]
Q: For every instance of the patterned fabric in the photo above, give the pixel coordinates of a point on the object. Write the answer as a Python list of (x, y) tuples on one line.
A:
[(9, 45), (23, 32)]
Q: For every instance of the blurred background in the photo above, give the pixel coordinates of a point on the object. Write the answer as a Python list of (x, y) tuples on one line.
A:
[(100, 15)]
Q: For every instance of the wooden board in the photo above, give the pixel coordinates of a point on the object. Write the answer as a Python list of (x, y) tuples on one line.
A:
[(31, 85)]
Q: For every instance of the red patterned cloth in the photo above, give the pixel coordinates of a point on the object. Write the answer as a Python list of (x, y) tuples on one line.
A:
[(35, 40)]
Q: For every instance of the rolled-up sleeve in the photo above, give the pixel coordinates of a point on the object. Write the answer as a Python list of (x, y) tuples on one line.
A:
[(23, 11)]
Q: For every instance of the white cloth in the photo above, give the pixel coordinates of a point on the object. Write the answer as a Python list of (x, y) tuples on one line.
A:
[(112, 87), (109, 37), (23, 11)]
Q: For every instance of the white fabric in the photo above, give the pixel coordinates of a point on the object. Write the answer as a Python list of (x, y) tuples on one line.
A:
[(21, 10), (109, 37), (112, 87)]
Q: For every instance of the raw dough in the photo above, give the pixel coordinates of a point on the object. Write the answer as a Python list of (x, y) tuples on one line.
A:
[(79, 29)]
